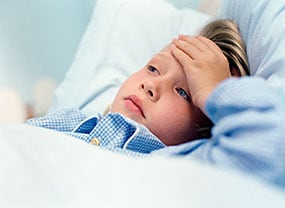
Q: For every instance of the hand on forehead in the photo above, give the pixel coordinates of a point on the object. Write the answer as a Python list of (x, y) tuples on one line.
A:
[(204, 64)]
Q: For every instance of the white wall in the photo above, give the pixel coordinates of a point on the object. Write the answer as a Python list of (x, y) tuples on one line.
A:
[(38, 38)]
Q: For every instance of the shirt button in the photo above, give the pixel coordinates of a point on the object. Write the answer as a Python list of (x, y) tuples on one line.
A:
[(95, 141)]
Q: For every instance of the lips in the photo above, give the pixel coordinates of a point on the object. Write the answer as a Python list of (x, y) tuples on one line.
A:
[(134, 104)]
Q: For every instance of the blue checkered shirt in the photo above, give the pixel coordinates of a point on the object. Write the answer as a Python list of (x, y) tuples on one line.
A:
[(112, 131)]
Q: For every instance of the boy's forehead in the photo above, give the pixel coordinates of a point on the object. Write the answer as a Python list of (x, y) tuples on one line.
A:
[(167, 58), (165, 52)]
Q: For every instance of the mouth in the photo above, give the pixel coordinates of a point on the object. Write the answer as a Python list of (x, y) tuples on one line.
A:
[(134, 104)]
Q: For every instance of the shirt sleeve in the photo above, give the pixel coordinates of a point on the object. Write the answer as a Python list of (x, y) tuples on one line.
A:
[(248, 133)]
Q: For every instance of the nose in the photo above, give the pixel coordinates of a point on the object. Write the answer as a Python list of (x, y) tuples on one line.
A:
[(151, 88)]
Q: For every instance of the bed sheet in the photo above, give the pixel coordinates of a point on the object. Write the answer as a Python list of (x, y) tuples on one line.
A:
[(44, 168)]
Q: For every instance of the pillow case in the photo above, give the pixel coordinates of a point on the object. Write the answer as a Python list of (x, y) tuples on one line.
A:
[(121, 37), (262, 24)]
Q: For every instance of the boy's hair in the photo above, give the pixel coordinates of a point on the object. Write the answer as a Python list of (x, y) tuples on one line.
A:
[(225, 33)]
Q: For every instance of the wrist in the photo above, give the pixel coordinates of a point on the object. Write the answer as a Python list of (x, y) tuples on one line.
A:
[(201, 98)]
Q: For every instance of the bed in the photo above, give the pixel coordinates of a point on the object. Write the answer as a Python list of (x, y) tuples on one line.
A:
[(43, 168)]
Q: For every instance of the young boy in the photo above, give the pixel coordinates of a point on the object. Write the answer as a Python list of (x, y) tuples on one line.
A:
[(168, 102), (155, 101)]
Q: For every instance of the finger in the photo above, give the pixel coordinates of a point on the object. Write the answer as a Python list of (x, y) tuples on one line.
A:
[(187, 47), (211, 44), (180, 56), (202, 46), (214, 48)]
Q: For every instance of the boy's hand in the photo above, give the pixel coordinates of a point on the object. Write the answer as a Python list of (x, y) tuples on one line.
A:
[(204, 64)]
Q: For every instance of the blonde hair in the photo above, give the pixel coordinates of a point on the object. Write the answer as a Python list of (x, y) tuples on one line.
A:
[(225, 33)]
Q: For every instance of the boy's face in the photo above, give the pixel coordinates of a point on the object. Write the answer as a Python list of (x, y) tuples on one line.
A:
[(158, 97)]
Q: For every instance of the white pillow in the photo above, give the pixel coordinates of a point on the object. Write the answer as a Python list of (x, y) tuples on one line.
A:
[(262, 24), (122, 35)]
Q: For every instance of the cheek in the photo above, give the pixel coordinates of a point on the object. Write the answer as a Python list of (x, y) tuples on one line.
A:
[(128, 86), (177, 110), (175, 124), (181, 119), (174, 131), (116, 104), (132, 80)]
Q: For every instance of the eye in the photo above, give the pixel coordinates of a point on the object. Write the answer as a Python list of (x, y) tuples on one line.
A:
[(183, 94), (152, 69)]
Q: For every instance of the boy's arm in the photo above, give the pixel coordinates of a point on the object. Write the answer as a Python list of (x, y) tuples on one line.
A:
[(249, 129)]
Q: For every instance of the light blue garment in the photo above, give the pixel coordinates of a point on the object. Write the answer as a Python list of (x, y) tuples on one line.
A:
[(248, 134)]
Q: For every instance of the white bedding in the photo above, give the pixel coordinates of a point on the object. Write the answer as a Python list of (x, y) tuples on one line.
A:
[(43, 168)]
